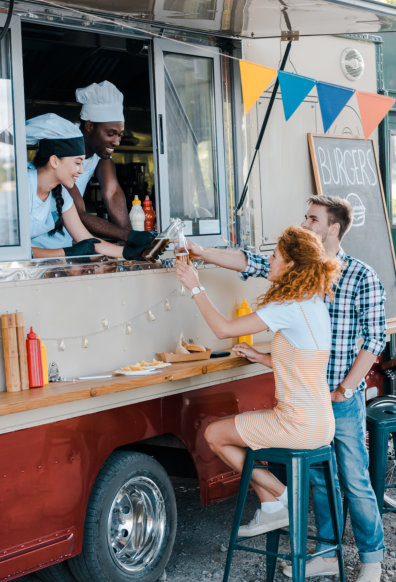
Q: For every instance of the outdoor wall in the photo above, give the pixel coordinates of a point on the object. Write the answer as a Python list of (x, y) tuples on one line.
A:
[(282, 179)]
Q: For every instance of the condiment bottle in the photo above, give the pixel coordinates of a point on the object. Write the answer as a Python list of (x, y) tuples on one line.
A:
[(136, 214), (244, 309), (149, 220), (181, 251), (162, 240), (35, 364), (44, 360)]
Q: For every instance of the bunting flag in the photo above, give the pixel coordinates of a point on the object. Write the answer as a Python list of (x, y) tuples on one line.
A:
[(332, 99), (373, 108), (294, 89), (254, 79)]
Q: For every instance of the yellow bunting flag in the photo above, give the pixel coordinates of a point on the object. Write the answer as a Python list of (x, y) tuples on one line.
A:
[(254, 79)]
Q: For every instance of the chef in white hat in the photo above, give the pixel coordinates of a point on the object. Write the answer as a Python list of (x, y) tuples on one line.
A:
[(102, 124), (54, 220)]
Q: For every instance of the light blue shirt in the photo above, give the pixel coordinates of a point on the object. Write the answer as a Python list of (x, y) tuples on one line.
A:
[(89, 167), (43, 216), (289, 319)]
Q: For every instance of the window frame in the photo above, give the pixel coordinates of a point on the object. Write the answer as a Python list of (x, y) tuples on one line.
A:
[(161, 46), (23, 249)]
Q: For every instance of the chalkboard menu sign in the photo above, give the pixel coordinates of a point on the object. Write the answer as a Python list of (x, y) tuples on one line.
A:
[(348, 168)]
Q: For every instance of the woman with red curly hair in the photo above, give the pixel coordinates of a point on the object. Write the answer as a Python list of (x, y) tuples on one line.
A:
[(294, 310)]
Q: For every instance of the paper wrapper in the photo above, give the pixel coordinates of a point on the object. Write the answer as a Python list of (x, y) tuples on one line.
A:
[(174, 357)]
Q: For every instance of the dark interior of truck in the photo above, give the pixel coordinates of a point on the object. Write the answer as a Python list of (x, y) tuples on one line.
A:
[(57, 61)]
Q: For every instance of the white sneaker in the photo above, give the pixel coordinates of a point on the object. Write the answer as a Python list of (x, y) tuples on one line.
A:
[(263, 522), (316, 567), (370, 572)]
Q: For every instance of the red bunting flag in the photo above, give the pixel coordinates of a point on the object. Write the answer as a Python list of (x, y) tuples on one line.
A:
[(373, 108), (254, 79)]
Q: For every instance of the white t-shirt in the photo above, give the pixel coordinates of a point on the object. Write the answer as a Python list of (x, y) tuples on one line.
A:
[(289, 319), (43, 216)]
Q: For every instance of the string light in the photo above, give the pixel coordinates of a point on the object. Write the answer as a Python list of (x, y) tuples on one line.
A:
[(151, 315), (84, 342), (125, 325), (182, 290)]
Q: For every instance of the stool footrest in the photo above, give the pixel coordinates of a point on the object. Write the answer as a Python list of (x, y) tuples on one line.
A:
[(263, 552)]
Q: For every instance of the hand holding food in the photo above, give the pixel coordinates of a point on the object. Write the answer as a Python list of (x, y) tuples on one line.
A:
[(188, 275)]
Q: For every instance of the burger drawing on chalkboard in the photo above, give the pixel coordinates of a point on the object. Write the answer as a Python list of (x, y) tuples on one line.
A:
[(359, 210)]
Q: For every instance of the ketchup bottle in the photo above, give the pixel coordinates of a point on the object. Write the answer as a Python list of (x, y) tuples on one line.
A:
[(149, 214), (35, 365)]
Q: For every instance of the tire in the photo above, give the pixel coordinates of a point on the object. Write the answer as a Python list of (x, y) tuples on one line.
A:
[(56, 573), (390, 478), (130, 525)]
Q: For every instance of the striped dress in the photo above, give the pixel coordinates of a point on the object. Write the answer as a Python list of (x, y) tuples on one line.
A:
[(303, 417)]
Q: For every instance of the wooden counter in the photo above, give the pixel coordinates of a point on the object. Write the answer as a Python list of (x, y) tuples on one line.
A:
[(63, 392)]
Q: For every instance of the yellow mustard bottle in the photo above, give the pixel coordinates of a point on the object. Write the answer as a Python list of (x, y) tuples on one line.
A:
[(244, 309), (44, 361)]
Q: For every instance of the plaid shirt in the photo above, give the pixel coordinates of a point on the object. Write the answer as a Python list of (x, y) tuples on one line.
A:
[(356, 312)]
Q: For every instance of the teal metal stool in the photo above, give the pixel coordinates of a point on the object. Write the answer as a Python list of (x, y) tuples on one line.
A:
[(297, 464), (381, 422)]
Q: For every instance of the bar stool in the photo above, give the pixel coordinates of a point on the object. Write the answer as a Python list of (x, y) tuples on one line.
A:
[(297, 463), (381, 422)]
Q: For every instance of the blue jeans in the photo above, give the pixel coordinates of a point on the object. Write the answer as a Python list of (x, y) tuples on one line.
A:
[(352, 465)]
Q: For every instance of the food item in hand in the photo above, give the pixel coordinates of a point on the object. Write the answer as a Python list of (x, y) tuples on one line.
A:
[(195, 348)]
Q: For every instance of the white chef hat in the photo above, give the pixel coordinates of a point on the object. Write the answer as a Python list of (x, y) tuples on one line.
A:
[(100, 102), (55, 135)]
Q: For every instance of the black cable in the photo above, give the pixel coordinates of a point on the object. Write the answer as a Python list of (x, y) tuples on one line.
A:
[(260, 137), (8, 20)]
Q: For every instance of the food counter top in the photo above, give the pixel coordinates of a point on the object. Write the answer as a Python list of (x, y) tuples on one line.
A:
[(63, 392)]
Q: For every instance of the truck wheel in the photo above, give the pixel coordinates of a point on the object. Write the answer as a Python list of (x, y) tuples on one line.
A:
[(130, 525)]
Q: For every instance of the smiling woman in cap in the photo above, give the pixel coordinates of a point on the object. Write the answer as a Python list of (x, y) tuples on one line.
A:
[(59, 160)]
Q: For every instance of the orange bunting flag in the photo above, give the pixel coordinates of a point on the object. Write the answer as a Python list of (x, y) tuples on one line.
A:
[(373, 108), (254, 79)]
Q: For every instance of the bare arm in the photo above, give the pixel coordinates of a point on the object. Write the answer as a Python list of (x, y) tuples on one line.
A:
[(39, 253), (227, 258), (220, 325), (360, 368), (78, 232), (113, 195), (94, 224)]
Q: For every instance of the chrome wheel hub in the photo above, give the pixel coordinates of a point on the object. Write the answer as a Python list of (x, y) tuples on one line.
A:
[(136, 524)]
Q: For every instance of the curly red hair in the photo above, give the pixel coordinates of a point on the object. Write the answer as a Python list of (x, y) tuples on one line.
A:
[(311, 274)]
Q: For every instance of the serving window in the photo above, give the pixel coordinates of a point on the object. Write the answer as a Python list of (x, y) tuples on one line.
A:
[(173, 146)]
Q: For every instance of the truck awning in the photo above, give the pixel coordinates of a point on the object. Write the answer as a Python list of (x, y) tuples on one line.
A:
[(250, 18)]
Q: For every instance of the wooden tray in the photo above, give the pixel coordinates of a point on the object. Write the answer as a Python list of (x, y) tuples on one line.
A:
[(174, 357)]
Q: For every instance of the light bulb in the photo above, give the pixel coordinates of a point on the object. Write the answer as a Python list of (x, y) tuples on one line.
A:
[(151, 315), (84, 342), (128, 328), (105, 323), (61, 346), (182, 290), (167, 305)]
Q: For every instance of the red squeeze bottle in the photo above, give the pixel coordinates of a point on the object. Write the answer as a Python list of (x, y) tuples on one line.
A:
[(149, 214), (35, 366)]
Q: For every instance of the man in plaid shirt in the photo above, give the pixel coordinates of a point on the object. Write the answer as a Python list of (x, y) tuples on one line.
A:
[(356, 312)]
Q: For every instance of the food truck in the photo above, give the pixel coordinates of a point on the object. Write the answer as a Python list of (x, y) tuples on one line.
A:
[(86, 460)]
